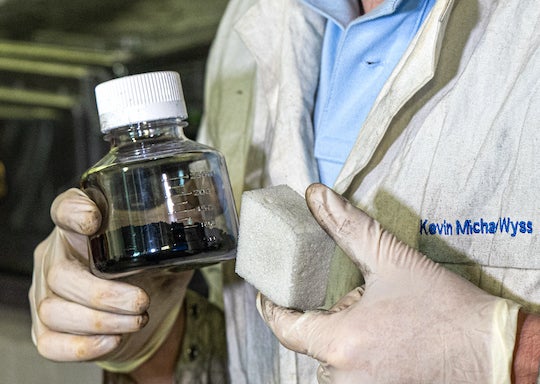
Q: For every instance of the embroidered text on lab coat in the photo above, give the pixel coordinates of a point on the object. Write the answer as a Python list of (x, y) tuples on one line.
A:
[(503, 225)]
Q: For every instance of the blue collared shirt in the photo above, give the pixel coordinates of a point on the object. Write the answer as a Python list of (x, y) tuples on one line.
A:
[(359, 53)]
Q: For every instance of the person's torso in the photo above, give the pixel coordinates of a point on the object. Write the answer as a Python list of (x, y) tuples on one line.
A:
[(456, 173), (447, 161)]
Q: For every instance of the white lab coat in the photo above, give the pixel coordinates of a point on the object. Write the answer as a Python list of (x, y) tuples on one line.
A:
[(448, 153)]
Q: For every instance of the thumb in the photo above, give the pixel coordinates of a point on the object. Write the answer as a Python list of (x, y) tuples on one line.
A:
[(362, 238), (295, 330)]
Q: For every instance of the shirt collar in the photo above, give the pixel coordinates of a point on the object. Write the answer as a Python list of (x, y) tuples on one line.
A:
[(343, 12)]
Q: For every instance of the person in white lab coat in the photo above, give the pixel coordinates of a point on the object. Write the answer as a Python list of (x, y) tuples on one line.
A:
[(445, 160)]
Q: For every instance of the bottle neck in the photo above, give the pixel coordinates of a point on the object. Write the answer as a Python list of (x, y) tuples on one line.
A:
[(145, 132)]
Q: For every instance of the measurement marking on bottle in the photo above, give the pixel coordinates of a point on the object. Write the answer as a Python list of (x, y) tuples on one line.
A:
[(180, 178), (178, 200), (176, 192), (202, 174), (202, 192), (209, 224), (186, 211)]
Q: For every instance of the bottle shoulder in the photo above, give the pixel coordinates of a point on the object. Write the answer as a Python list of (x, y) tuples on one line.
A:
[(138, 153)]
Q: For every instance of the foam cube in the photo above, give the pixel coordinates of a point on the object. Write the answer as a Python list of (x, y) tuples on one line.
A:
[(282, 250)]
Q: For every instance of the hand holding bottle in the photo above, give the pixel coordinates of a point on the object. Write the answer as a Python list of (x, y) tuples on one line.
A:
[(77, 316)]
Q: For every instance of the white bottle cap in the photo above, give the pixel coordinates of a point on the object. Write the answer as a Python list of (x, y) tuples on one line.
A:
[(139, 98)]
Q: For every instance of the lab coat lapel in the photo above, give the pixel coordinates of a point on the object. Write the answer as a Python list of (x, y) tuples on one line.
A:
[(414, 70), (285, 38)]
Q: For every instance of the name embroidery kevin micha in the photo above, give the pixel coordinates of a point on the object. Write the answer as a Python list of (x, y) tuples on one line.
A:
[(467, 227)]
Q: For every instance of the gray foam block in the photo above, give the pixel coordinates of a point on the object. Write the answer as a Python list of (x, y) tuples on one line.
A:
[(282, 250)]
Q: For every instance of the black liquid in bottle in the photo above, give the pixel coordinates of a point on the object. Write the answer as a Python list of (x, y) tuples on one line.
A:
[(157, 243), (186, 195)]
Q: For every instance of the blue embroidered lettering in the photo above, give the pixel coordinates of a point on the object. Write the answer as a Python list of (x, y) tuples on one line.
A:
[(423, 229), (444, 228), (464, 229), (448, 229), (504, 224), (470, 227), (514, 225), (484, 226)]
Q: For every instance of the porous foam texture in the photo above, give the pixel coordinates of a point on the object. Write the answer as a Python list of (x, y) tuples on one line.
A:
[(282, 250)]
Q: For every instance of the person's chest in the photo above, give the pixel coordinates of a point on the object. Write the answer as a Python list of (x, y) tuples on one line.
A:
[(456, 173)]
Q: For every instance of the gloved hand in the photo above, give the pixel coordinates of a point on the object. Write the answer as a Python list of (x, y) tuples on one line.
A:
[(77, 316), (413, 322)]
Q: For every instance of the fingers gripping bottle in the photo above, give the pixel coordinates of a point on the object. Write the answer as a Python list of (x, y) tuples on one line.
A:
[(166, 201)]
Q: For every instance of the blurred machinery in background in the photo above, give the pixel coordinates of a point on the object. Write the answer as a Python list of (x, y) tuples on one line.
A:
[(52, 54)]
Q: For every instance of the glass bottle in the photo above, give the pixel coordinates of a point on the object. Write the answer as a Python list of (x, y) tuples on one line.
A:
[(166, 201)]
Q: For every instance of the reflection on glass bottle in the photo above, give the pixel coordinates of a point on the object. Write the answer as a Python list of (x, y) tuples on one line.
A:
[(166, 201)]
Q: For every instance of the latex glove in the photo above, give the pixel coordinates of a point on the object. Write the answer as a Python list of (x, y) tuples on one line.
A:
[(414, 322), (77, 316)]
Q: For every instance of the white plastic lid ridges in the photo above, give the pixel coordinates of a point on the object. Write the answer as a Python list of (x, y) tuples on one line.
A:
[(140, 98)]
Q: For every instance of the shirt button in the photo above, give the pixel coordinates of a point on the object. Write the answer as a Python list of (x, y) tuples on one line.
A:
[(194, 311), (193, 352)]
